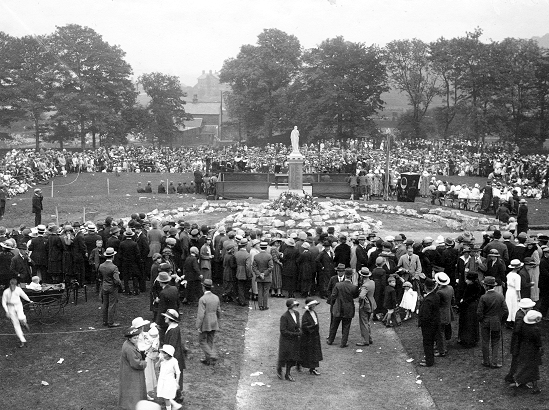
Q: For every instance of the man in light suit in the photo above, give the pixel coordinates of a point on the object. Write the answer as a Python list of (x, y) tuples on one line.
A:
[(110, 279), (343, 310), (491, 312), (262, 268), (209, 312)]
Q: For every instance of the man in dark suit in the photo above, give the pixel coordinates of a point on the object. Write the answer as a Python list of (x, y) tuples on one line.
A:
[(79, 253), (496, 243), (39, 253), (361, 253), (496, 268), (508, 242), (342, 252), (129, 258), (193, 276), (145, 262), (491, 312), (343, 308), (428, 321), (37, 207), (325, 268), (167, 299)]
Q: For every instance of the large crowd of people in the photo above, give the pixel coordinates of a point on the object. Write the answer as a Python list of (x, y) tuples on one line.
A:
[(22, 169), (501, 281)]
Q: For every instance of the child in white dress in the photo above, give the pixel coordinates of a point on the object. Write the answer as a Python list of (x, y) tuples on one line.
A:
[(409, 300), (168, 378)]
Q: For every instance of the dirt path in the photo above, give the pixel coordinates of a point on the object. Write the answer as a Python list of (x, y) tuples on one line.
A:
[(376, 378)]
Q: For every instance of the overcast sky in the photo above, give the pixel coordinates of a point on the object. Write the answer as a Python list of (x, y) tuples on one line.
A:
[(183, 37)]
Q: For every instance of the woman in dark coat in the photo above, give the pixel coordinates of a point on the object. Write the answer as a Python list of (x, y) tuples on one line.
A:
[(468, 333), (307, 270), (132, 386), (522, 217), (289, 347), (289, 268), (310, 347), (529, 351), (173, 338), (54, 249), (487, 196), (379, 276), (5, 264)]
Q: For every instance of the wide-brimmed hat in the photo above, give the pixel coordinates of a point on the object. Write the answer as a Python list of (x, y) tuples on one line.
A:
[(132, 331), (194, 232), (526, 303), (290, 242), (208, 283), (437, 268), (449, 242), (275, 240), (311, 301), (532, 317), (172, 315), (406, 285), (194, 250), (442, 278), (169, 349), (489, 281), (305, 245), (255, 242), (140, 322), (529, 261), (326, 243), (291, 302), (365, 272), (163, 277), (7, 245), (515, 264), (41, 228), (340, 267), (114, 230), (128, 232), (493, 252), (522, 201), (109, 252)]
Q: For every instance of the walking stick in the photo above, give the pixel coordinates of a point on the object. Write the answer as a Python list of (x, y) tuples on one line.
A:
[(501, 337)]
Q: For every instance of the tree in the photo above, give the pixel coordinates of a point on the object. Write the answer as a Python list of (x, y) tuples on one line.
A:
[(166, 107), (259, 77), (411, 71), (35, 81), (10, 62), (94, 81), (340, 86)]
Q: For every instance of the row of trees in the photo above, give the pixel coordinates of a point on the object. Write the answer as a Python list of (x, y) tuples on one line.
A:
[(73, 83), (460, 86)]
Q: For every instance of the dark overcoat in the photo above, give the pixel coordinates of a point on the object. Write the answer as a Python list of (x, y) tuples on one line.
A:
[(288, 348), (311, 349), (132, 377)]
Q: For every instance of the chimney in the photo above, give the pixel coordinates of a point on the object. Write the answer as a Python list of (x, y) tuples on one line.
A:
[(195, 98)]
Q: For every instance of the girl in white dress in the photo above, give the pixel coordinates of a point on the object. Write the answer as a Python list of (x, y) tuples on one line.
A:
[(409, 300), (512, 296), (168, 378)]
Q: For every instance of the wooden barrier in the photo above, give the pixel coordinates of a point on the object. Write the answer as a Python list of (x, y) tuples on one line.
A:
[(340, 190), (241, 190)]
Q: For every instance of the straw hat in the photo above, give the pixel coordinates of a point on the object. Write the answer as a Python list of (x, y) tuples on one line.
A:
[(442, 278), (526, 303), (169, 349), (139, 322), (533, 316), (515, 264), (172, 315)]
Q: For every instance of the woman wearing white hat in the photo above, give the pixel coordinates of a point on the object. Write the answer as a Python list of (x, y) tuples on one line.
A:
[(530, 352), (512, 296)]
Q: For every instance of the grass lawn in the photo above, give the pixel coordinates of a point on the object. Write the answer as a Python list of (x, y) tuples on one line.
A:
[(88, 377), (460, 378)]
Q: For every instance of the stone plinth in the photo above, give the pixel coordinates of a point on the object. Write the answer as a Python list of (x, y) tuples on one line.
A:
[(295, 171)]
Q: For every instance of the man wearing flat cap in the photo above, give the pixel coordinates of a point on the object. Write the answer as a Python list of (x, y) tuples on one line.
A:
[(491, 312), (209, 312)]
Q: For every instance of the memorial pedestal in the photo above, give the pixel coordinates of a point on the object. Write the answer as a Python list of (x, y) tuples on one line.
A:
[(295, 171)]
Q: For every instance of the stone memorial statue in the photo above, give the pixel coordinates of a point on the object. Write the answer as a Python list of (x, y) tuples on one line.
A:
[(294, 138)]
